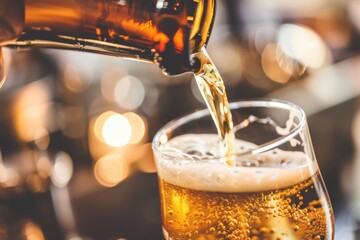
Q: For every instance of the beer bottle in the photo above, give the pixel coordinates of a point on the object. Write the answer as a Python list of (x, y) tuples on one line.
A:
[(165, 32)]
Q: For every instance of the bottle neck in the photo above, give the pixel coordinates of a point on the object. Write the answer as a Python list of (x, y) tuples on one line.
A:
[(165, 32)]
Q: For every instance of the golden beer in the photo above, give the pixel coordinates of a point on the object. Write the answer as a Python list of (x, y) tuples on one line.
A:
[(209, 200)]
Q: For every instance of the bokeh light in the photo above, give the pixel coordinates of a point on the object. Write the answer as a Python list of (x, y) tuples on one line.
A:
[(110, 170), (303, 45), (44, 166), (42, 138), (10, 178), (72, 79), (33, 232), (109, 79), (31, 111), (116, 130), (62, 169), (129, 92), (138, 127), (113, 129), (270, 65)]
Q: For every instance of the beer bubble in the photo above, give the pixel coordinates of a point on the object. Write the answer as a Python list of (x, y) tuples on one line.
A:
[(221, 226), (295, 227), (188, 235), (264, 230)]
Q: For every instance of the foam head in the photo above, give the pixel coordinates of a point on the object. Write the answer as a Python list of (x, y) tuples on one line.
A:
[(193, 161)]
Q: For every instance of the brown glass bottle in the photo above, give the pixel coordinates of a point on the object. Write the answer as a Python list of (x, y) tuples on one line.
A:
[(166, 32)]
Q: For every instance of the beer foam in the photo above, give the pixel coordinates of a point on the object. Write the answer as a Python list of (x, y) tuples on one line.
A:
[(263, 172)]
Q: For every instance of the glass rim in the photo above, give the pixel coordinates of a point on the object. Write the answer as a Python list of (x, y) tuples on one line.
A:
[(264, 102)]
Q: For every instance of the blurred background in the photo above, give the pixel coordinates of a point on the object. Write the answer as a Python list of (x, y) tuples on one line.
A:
[(76, 128)]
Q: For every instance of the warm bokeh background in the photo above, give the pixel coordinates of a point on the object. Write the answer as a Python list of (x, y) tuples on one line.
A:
[(76, 128)]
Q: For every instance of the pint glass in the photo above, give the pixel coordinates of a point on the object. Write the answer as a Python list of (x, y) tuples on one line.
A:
[(273, 191)]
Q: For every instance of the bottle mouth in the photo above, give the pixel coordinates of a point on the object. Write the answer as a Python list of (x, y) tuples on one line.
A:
[(195, 35)]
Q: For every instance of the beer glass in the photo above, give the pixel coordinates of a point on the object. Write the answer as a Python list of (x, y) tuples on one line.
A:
[(273, 191)]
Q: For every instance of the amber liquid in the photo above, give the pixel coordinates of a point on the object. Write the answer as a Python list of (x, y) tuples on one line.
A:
[(299, 211)]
